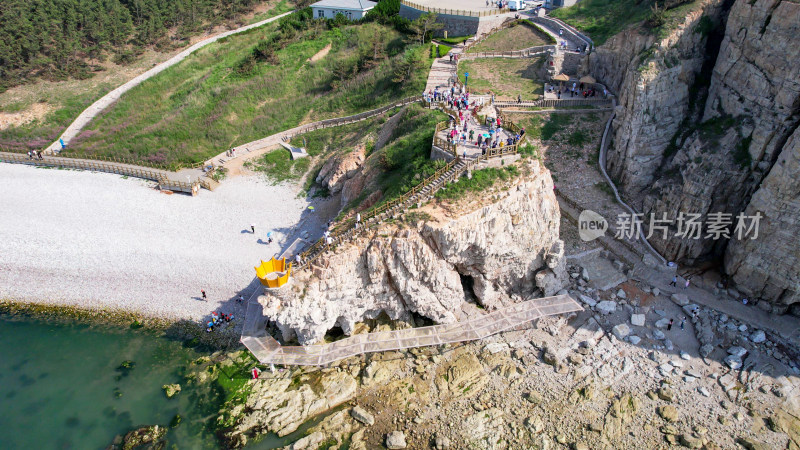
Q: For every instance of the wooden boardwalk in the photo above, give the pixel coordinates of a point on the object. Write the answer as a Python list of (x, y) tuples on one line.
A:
[(269, 351)]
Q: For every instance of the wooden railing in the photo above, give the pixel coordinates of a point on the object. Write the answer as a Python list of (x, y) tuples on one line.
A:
[(117, 160), (103, 166), (552, 103), (327, 123), (524, 53), (454, 12), (346, 229)]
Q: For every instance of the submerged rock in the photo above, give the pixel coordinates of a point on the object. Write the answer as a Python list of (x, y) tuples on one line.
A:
[(171, 390)]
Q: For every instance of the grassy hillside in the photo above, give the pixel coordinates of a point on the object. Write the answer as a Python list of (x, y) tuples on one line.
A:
[(507, 78), (60, 39), (601, 19), (255, 84), (33, 114), (519, 36)]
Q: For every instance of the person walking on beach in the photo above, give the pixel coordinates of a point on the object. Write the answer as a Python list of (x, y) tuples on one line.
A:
[(253, 228), (686, 286), (674, 281), (203, 293), (683, 322), (669, 325), (240, 299)]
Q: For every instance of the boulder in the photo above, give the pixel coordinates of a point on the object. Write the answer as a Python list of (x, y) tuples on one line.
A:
[(662, 323), (656, 292), (441, 441), (534, 424), (737, 351), (680, 299), (658, 334), (637, 319), (621, 330), (171, 390), (142, 436), (362, 415), (606, 307), (706, 350), (690, 441), (496, 347), (396, 440), (689, 309), (666, 394), (633, 339), (588, 301), (758, 336), (621, 294), (668, 413), (549, 357), (733, 361)]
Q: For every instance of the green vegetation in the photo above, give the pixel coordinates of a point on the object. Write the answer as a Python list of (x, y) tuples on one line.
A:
[(282, 7), (521, 35), (577, 138), (480, 181), (279, 166), (455, 40), (406, 159), (255, 84), (741, 154), (554, 124), (507, 78), (57, 39), (443, 50), (40, 133), (601, 19), (704, 26)]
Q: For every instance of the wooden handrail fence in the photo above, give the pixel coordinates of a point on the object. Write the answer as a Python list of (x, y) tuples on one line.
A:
[(339, 121), (159, 176), (524, 53)]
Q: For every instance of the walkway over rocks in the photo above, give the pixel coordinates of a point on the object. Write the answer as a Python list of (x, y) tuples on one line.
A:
[(269, 351)]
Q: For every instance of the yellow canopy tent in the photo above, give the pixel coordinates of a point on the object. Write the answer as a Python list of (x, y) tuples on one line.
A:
[(561, 77), (588, 79), (274, 273)]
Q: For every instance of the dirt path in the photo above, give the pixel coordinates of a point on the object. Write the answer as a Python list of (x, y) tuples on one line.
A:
[(321, 54), (104, 102)]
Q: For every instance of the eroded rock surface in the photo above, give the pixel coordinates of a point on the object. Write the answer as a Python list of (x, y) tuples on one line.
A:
[(508, 248)]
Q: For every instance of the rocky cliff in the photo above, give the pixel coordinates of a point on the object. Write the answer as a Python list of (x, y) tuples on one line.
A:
[(706, 118), (508, 249)]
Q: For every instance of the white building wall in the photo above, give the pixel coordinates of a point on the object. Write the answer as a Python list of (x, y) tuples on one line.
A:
[(330, 13)]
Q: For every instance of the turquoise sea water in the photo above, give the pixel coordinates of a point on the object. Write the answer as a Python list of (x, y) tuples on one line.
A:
[(59, 387)]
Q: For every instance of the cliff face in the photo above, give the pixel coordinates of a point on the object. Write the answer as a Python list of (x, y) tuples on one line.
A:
[(509, 248), (769, 266), (706, 119)]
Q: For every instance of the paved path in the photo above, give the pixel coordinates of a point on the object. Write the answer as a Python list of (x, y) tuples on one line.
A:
[(443, 70), (104, 102)]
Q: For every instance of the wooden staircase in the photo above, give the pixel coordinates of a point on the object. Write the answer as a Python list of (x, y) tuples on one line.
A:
[(457, 167)]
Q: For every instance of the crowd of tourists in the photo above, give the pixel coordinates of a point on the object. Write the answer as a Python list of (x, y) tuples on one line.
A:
[(575, 90)]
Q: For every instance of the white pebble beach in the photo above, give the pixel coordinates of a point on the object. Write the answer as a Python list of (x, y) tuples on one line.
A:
[(102, 241)]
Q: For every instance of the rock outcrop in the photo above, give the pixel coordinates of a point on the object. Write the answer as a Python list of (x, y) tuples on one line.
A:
[(707, 123), (508, 248), (337, 170)]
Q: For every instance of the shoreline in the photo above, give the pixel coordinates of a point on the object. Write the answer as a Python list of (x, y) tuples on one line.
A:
[(190, 332), (91, 316)]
